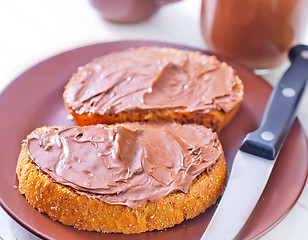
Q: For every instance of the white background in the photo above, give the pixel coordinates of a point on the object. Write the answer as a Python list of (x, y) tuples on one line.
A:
[(33, 30)]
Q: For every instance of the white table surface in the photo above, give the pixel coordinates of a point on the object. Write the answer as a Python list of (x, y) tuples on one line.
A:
[(33, 30)]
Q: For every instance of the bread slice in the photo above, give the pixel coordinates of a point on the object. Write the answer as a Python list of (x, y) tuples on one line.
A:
[(68, 203), (151, 84)]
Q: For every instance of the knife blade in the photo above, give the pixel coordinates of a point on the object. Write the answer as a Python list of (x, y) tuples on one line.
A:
[(254, 161)]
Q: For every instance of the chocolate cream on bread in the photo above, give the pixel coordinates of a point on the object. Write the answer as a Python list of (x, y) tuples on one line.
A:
[(152, 79), (125, 164)]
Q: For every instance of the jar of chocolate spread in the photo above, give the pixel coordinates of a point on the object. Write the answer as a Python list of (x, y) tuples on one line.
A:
[(257, 33)]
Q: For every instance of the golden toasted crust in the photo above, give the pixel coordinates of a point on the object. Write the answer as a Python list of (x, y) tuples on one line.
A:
[(215, 119), (65, 205)]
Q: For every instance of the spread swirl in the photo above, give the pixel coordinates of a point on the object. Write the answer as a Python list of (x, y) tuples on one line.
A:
[(148, 78), (125, 164)]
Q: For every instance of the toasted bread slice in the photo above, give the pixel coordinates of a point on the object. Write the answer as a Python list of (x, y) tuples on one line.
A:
[(65, 200), (153, 84)]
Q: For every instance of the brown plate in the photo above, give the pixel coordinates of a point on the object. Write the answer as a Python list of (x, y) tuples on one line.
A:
[(34, 99)]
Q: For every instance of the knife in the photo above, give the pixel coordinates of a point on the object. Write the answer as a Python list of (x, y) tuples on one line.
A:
[(255, 160)]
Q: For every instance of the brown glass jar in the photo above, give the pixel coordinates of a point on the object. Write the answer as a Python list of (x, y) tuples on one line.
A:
[(257, 33)]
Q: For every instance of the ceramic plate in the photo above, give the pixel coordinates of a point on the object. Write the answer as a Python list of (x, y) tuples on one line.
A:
[(34, 99)]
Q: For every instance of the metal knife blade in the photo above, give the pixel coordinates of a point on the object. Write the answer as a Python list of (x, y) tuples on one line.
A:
[(255, 160)]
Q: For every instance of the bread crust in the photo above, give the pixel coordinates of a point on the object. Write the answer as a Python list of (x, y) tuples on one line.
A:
[(64, 204), (215, 119)]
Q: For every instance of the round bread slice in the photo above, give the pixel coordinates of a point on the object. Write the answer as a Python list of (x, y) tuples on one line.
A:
[(151, 84), (126, 178)]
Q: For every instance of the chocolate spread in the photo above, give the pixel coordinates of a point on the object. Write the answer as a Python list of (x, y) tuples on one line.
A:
[(125, 164), (150, 78)]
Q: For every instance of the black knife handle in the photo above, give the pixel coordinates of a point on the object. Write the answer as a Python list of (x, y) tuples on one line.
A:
[(280, 110)]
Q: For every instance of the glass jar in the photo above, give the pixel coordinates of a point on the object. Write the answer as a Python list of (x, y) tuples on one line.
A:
[(257, 33)]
